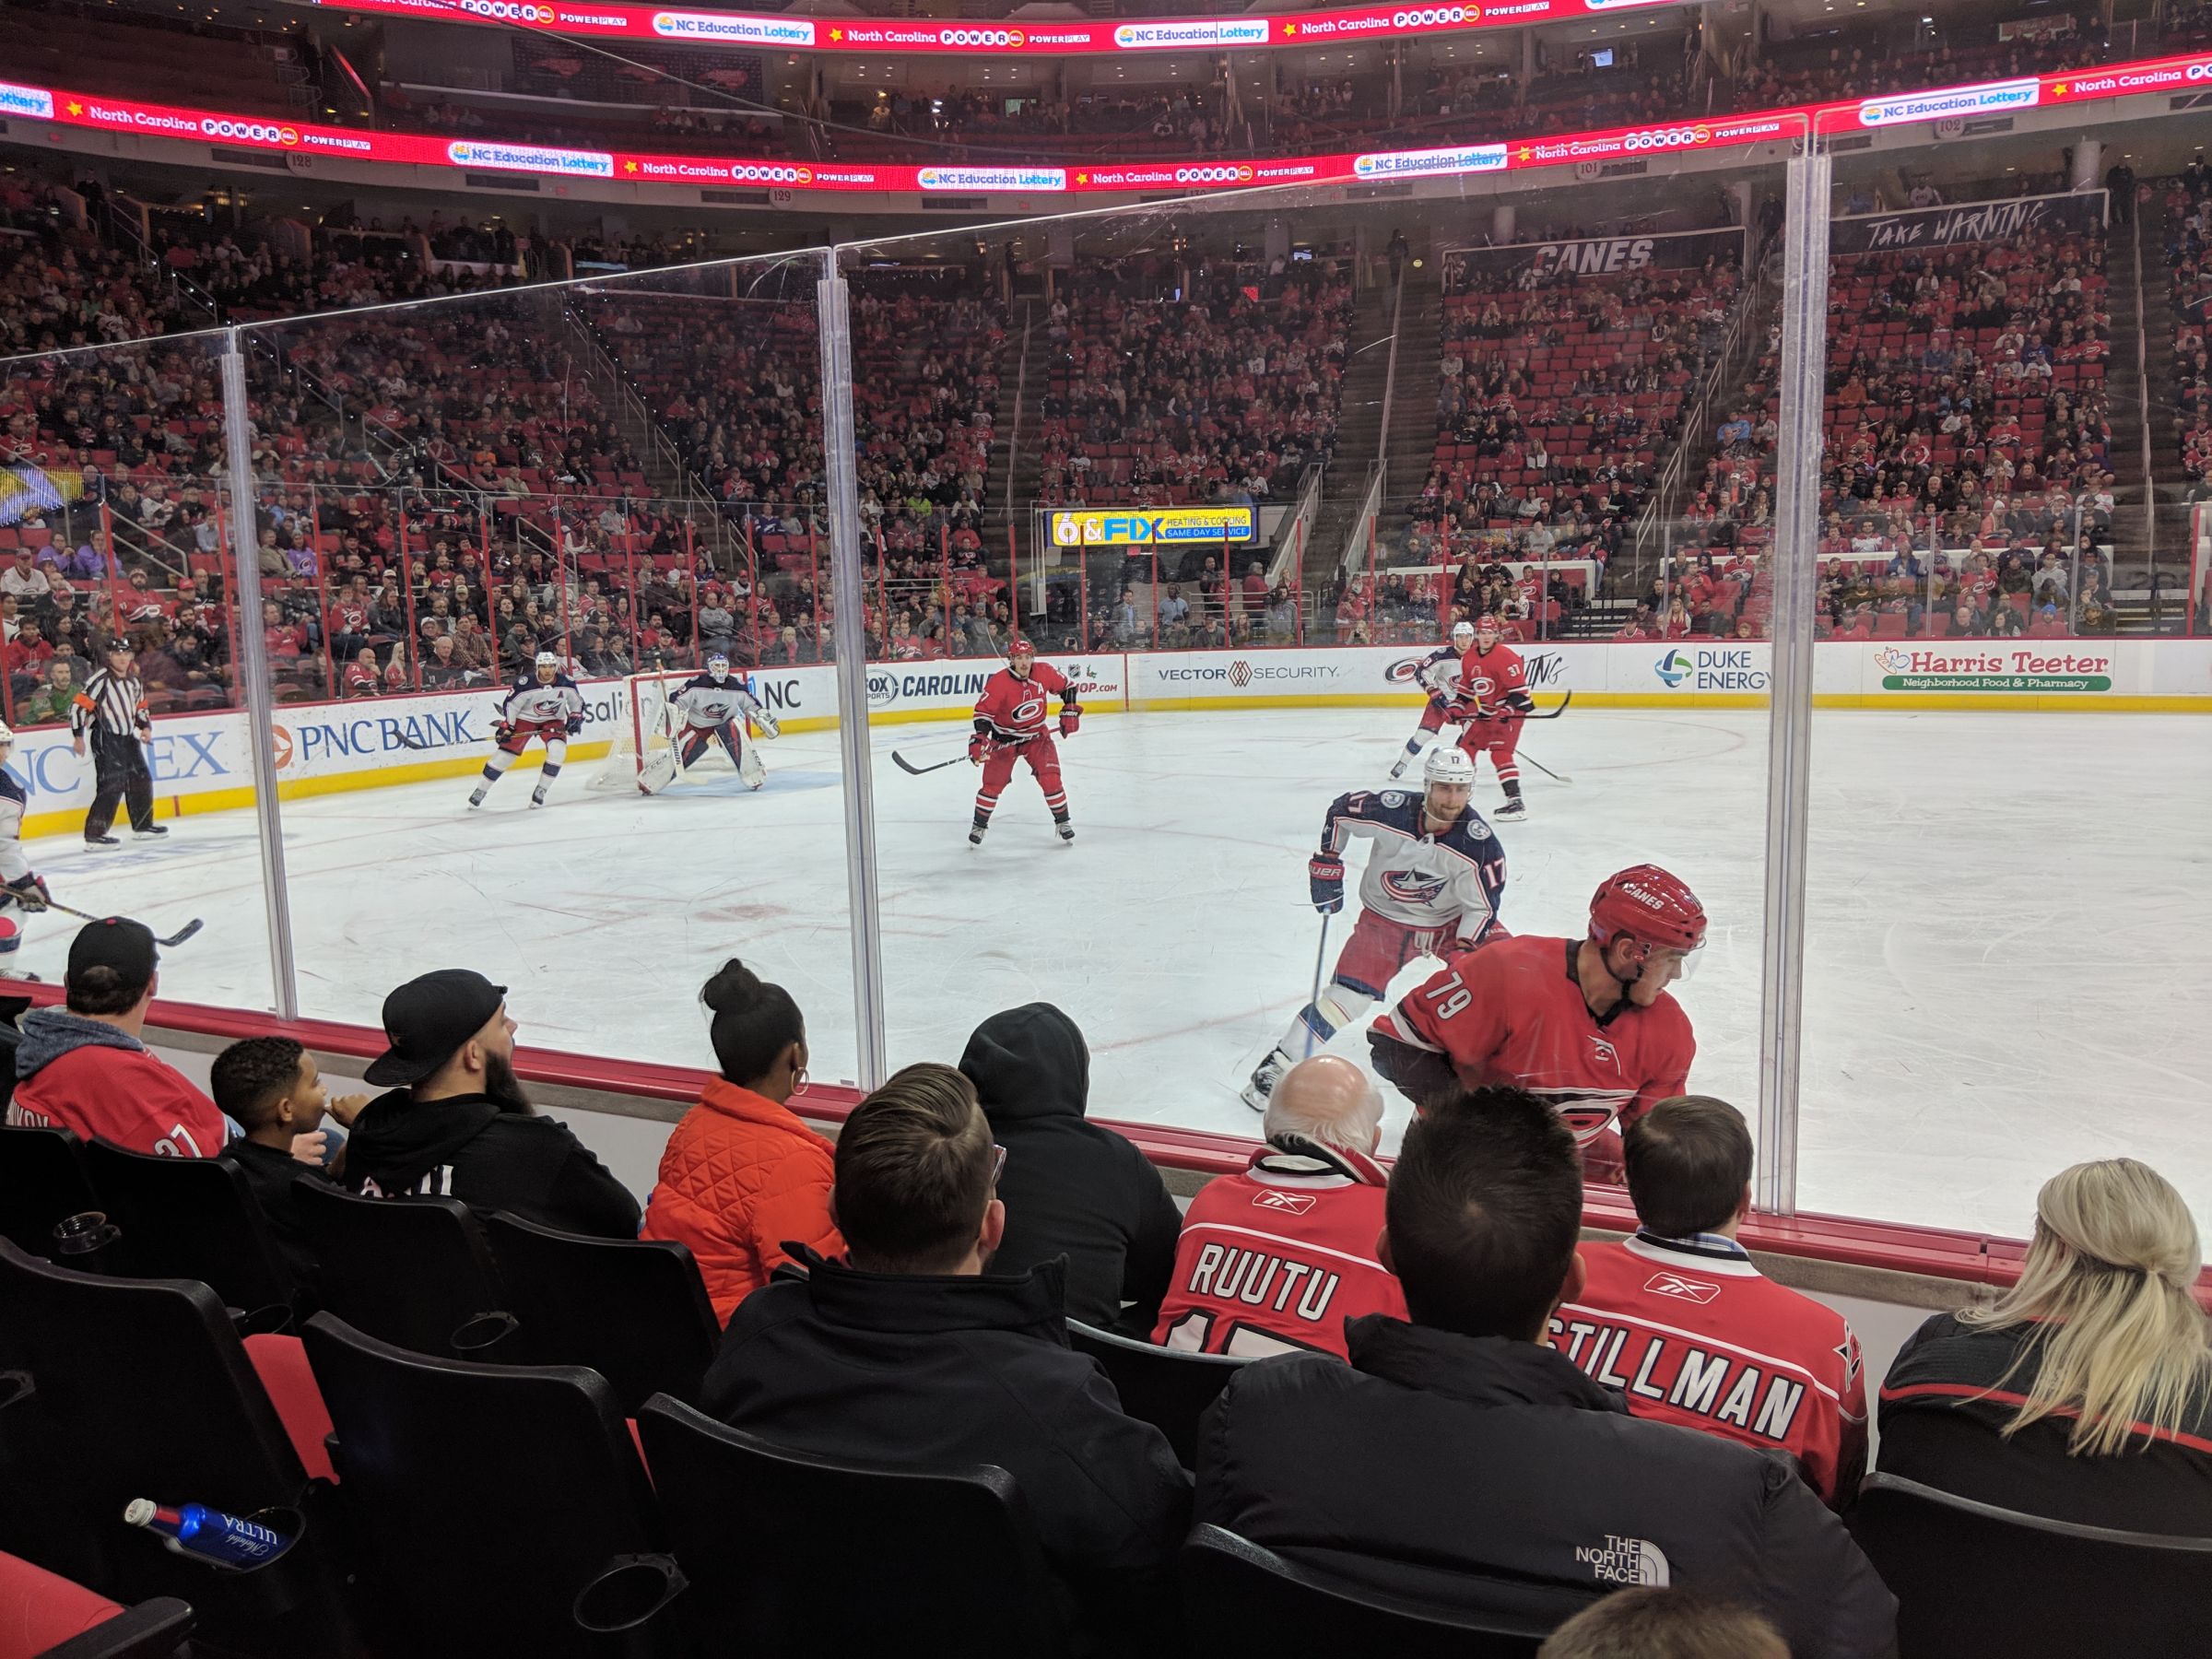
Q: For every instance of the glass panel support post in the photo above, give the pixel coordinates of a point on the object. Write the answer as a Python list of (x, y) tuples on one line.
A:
[(1790, 686), (250, 661), (847, 587)]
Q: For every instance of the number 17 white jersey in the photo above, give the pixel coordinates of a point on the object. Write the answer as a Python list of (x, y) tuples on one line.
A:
[(1413, 878)]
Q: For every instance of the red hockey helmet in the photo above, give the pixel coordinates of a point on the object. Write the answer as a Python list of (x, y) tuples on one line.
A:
[(1644, 903), (1018, 646)]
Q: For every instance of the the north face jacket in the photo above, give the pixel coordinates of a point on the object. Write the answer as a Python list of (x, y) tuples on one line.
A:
[(1071, 1187), (1489, 1475), (740, 1177)]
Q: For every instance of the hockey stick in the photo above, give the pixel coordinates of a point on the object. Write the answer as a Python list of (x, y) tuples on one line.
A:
[(1320, 957), (1554, 777), (912, 770), (1552, 714), (178, 937)]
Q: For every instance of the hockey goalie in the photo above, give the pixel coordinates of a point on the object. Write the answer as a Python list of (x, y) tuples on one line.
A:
[(709, 709)]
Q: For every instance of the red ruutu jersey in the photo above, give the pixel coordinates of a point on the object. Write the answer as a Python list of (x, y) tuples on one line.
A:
[(1514, 1013), (1691, 1333), (1016, 708), (1273, 1261), (1487, 679)]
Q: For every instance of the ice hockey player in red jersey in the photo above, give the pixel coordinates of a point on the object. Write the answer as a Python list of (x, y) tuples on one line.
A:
[(1680, 1320), (1274, 1260), (1010, 725), (1438, 674), (1493, 684), (1431, 887), (1586, 1024), (543, 704)]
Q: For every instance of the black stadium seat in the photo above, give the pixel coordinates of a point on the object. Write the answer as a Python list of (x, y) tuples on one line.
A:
[(1971, 1578), (636, 1312), (412, 1271), (41, 1179), (488, 1498), (194, 1218), (1166, 1387), (843, 1557), (1240, 1599), (141, 1388)]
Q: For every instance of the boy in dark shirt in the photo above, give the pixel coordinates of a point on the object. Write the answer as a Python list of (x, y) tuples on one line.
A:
[(270, 1087)]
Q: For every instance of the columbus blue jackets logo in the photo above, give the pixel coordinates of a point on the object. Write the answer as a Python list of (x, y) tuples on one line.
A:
[(1411, 887)]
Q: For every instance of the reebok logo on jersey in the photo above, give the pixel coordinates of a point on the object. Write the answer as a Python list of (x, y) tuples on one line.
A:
[(1291, 1204), (1686, 1289)]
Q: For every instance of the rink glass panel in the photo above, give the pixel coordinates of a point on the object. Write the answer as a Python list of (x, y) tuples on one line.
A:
[(116, 501), (1178, 930), (2006, 906), (625, 471)]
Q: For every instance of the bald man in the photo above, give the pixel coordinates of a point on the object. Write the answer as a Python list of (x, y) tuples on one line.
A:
[(1275, 1260)]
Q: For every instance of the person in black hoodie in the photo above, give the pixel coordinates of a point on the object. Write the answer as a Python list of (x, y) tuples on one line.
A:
[(1458, 1462), (271, 1088), (1072, 1188), (919, 1351), (458, 1124)]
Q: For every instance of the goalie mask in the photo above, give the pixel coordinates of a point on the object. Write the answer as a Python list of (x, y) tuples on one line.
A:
[(718, 669)]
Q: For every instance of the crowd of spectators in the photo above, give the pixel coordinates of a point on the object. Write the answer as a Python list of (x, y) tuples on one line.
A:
[(1433, 1389), (2189, 258)]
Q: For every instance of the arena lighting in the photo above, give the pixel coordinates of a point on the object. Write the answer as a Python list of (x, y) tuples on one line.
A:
[(2156, 76)]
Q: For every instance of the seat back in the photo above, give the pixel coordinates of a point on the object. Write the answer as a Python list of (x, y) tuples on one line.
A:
[(142, 1389), (41, 1179), (843, 1557), (486, 1497), (1971, 1578), (1166, 1387), (1240, 1597), (191, 1219), (635, 1311), (411, 1271)]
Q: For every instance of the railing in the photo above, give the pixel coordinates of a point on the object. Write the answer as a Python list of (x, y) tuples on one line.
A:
[(1290, 541), (1361, 537), (2150, 485), (1021, 386)]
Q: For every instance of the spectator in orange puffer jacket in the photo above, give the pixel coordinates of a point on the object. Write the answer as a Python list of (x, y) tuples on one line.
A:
[(742, 1175)]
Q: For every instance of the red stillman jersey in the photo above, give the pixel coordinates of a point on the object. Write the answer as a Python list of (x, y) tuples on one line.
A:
[(1514, 1013), (1487, 679), (1016, 708), (1273, 1261), (1697, 1336)]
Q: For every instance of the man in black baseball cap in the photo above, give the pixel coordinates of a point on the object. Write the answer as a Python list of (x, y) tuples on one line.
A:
[(455, 1121)]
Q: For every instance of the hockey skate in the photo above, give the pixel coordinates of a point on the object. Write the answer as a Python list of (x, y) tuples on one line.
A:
[(476, 799), (537, 797), (1263, 1079), (975, 833), (1399, 770), (1514, 808), (1067, 832)]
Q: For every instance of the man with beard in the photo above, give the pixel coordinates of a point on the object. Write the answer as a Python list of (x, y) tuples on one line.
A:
[(457, 1123)]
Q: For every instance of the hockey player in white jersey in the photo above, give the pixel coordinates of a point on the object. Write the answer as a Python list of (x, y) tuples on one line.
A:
[(1438, 675), (543, 704), (19, 888), (1431, 887), (710, 708)]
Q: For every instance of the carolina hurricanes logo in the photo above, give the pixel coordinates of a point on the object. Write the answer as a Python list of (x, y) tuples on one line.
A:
[(1410, 886), (1481, 685), (1682, 1289), (1029, 709)]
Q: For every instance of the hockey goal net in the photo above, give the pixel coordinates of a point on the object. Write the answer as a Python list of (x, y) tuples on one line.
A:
[(645, 737)]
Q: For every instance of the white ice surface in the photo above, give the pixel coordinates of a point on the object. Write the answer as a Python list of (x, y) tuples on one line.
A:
[(2010, 919)]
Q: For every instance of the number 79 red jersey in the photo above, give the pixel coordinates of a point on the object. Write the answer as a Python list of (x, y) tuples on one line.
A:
[(1514, 1013)]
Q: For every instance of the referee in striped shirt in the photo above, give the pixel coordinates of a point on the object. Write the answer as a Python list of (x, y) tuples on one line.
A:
[(112, 712)]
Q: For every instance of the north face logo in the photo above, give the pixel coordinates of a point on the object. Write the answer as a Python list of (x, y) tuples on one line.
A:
[(1683, 1289), (1624, 1560), (1291, 1204)]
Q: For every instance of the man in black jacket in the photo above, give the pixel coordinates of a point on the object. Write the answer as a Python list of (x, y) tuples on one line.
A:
[(1457, 1461), (1072, 1188), (908, 1353), (458, 1124)]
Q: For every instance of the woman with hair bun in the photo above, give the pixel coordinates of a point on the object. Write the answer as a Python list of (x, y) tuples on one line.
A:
[(742, 1175), (2085, 1393)]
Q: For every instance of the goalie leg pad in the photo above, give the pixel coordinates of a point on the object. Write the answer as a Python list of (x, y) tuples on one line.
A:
[(749, 767), (657, 773)]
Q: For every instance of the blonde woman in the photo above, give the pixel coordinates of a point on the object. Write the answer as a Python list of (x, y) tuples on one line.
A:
[(2085, 1394)]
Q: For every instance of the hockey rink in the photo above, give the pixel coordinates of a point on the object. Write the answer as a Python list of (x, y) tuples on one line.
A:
[(2010, 918)]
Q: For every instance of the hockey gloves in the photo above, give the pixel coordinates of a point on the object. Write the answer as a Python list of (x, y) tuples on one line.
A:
[(1324, 871), (575, 725), (501, 730), (979, 748), (767, 722), (30, 892), (1070, 717)]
